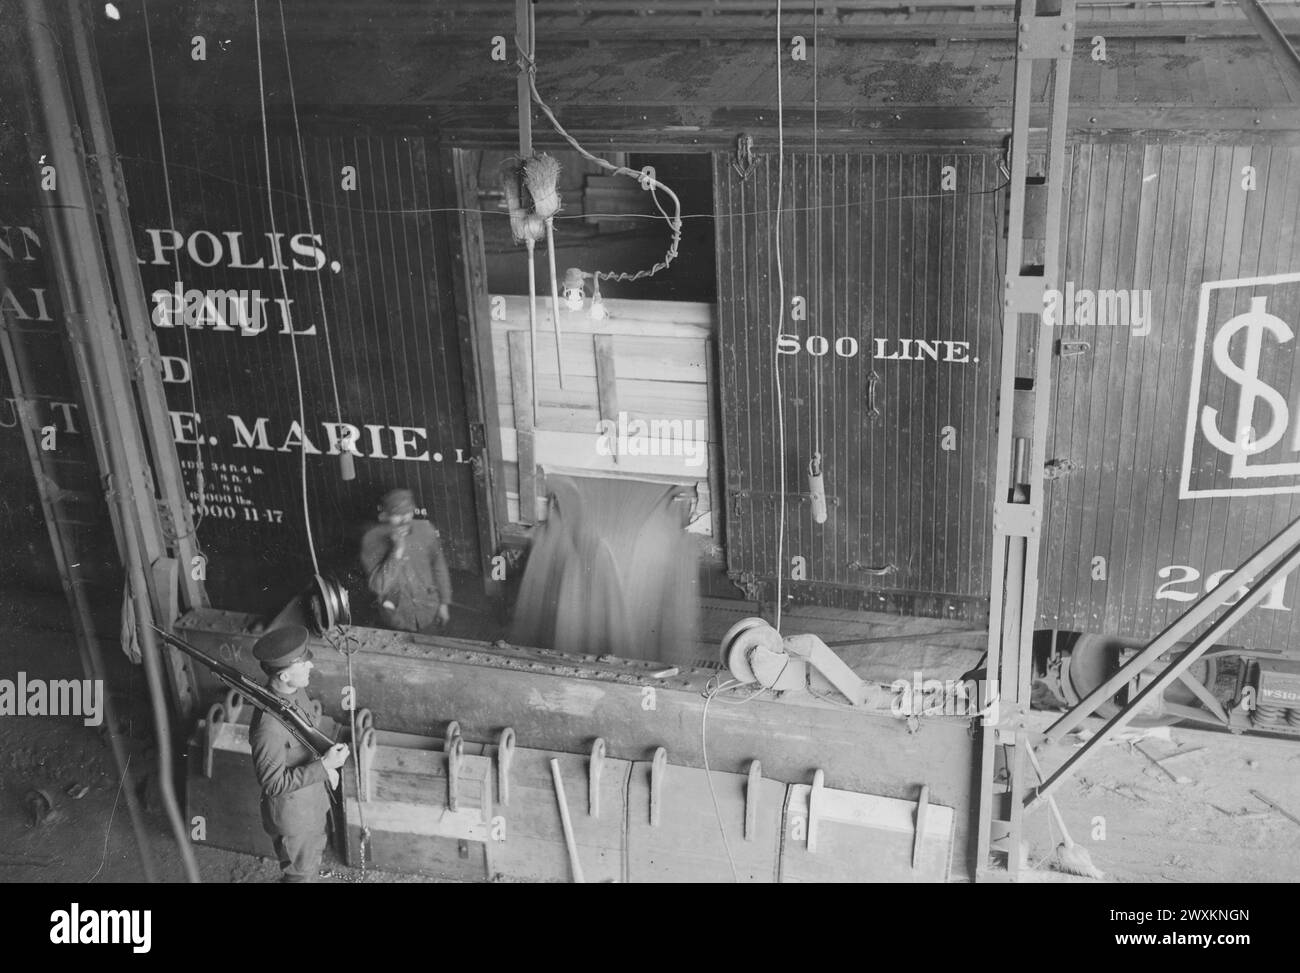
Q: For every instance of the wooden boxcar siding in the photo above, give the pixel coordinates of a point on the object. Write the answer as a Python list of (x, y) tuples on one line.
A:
[(31, 308), (392, 332), (878, 251), (1167, 218)]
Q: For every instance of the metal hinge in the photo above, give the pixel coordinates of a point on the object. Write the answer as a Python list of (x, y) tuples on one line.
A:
[(477, 435)]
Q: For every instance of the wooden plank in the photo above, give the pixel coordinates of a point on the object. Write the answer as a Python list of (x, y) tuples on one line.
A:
[(533, 849), (687, 844), (606, 377), (1123, 181), (522, 385), (864, 838), (662, 360), (1190, 175), (662, 319), (578, 451), (714, 492), (1129, 526)]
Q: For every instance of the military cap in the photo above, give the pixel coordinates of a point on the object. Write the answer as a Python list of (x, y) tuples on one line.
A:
[(283, 647), (397, 502)]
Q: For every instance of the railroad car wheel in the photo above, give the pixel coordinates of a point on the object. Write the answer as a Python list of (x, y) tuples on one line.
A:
[(1095, 658)]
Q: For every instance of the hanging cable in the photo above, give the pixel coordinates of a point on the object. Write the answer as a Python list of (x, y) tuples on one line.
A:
[(780, 313), (347, 644), (284, 288), (708, 777), (345, 456), (200, 503), (818, 451)]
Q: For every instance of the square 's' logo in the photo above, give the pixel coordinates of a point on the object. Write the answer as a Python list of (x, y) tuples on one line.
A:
[(1243, 414)]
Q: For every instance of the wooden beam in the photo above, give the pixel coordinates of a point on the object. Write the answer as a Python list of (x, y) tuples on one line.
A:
[(474, 328), (521, 380), (606, 379)]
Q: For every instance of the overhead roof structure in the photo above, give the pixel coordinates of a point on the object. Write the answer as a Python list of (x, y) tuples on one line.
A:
[(677, 75)]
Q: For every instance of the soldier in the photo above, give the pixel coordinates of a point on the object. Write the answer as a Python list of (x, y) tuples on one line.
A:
[(295, 799), (405, 567)]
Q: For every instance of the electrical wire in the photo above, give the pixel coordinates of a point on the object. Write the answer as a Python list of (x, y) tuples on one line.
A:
[(643, 177), (419, 211), (284, 288), (109, 830), (200, 503), (780, 314), (311, 225)]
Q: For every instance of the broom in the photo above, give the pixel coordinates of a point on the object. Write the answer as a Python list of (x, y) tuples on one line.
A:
[(541, 176), (1070, 858)]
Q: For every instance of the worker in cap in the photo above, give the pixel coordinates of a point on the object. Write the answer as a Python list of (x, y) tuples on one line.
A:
[(405, 567), (295, 781)]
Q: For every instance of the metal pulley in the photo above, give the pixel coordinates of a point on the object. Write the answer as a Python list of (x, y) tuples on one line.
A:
[(755, 652), (327, 604)]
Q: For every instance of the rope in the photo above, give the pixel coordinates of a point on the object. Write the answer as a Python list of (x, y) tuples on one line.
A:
[(311, 225), (708, 777), (780, 312), (284, 288), (820, 361), (176, 268), (364, 839)]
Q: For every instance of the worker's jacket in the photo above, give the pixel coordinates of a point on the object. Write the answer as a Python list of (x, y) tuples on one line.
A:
[(295, 798), (410, 589)]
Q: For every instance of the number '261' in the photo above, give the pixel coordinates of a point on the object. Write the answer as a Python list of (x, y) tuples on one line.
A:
[(1184, 574)]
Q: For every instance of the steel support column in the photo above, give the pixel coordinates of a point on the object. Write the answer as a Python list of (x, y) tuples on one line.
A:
[(1045, 39), (99, 355)]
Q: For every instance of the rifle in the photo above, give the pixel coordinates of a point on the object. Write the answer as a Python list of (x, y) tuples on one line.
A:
[(261, 697)]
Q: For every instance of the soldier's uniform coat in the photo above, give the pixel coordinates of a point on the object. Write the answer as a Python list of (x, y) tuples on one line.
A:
[(295, 795)]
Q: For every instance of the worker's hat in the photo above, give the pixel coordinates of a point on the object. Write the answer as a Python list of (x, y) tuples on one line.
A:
[(397, 502), (283, 647)]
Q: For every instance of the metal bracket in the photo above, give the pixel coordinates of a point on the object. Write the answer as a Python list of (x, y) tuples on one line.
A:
[(167, 522), (1016, 519), (593, 777), (922, 806), (477, 435), (453, 731), (505, 757), (751, 800), (1024, 295), (366, 762), (658, 768), (868, 569), (815, 807), (1046, 37), (454, 755), (745, 161), (234, 703), (216, 717), (1072, 348)]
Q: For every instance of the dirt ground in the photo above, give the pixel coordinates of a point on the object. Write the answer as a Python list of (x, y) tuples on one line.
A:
[(1195, 820)]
